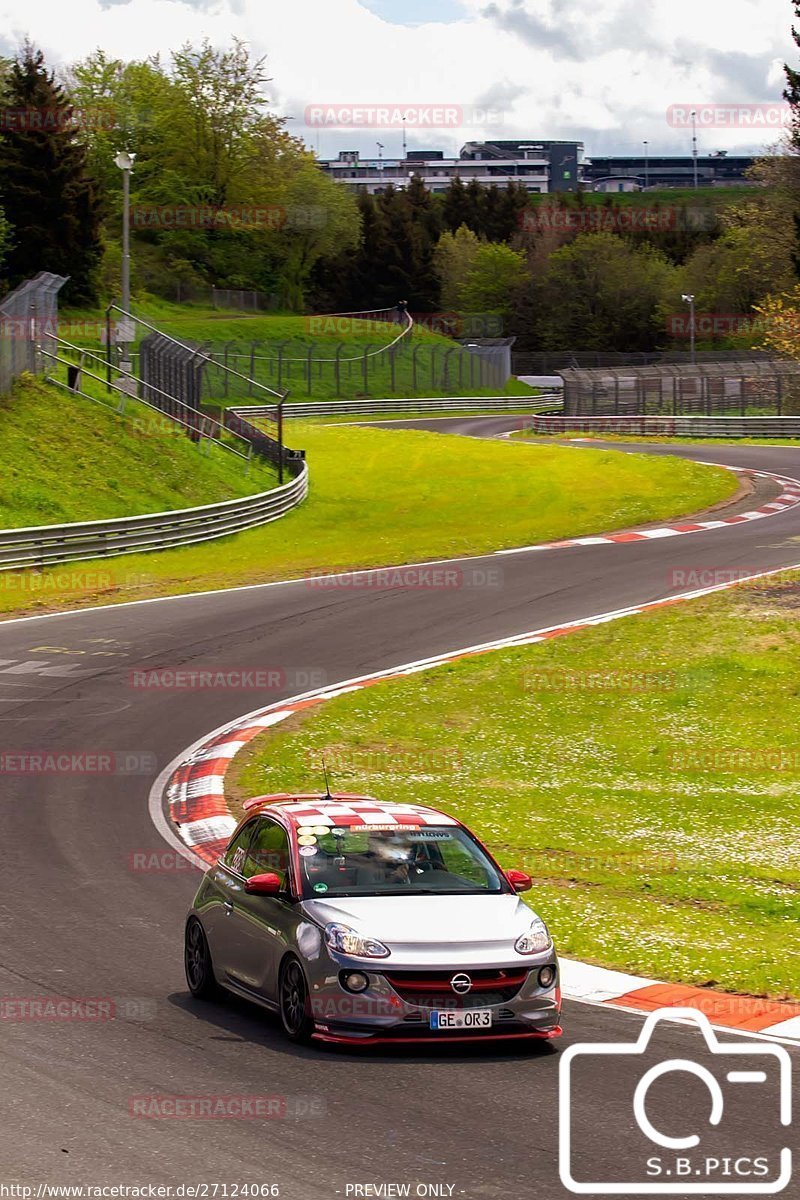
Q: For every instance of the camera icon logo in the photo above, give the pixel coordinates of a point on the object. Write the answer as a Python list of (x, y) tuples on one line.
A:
[(692, 1125)]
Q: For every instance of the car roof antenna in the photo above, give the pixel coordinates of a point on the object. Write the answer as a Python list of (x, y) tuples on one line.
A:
[(327, 795)]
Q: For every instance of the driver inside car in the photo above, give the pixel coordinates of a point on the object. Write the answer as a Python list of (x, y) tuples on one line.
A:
[(386, 860)]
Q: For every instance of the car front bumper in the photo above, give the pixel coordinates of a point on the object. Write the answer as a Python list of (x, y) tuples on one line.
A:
[(397, 1006)]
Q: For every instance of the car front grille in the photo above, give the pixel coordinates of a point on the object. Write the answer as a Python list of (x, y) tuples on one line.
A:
[(431, 989)]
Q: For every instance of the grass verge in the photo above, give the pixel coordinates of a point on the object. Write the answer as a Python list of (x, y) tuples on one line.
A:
[(386, 496), (67, 459), (644, 772)]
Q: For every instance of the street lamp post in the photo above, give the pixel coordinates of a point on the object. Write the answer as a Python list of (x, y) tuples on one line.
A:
[(124, 161), (692, 327), (694, 145), (646, 167)]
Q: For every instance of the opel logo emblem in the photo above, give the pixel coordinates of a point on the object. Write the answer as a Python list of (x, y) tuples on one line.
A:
[(461, 984)]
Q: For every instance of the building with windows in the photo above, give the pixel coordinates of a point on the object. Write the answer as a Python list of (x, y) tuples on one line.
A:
[(536, 166), (539, 167), (625, 174)]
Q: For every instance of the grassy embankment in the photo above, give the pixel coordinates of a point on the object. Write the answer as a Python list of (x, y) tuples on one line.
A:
[(67, 459), (384, 496)]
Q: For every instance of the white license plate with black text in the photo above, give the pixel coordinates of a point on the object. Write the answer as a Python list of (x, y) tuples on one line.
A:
[(470, 1018)]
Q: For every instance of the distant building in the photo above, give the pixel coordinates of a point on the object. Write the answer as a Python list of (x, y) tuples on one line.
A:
[(616, 174), (536, 166), (617, 183)]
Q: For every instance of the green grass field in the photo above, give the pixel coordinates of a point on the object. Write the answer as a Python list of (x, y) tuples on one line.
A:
[(66, 459), (383, 496), (645, 772)]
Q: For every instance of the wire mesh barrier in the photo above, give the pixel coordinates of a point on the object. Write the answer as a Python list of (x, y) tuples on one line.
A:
[(248, 301), (172, 377), (371, 354), (28, 322), (365, 366), (732, 387), (553, 362)]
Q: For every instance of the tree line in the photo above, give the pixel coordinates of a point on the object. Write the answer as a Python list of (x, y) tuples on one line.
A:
[(223, 194)]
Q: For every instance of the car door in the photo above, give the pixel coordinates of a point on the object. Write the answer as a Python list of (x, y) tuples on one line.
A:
[(263, 926), (225, 884)]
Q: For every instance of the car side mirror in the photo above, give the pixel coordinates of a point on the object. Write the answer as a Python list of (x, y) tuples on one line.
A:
[(268, 884), (519, 880)]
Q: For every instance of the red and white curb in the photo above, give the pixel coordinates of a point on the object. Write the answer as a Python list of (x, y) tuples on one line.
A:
[(773, 1019), (788, 498), (187, 804)]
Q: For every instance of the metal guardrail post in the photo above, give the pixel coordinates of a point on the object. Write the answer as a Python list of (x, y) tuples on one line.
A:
[(280, 439), (338, 366), (108, 349)]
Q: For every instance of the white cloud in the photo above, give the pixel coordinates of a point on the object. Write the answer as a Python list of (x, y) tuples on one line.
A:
[(560, 68)]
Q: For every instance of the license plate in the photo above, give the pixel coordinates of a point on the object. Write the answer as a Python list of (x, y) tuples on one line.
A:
[(470, 1018)]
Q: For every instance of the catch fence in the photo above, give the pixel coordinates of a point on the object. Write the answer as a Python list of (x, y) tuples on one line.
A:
[(28, 323), (367, 370), (553, 362), (728, 387)]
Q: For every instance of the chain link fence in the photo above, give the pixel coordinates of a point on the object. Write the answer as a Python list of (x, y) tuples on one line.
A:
[(552, 362), (714, 388), (171, 375), (28, 324), (359, 371)]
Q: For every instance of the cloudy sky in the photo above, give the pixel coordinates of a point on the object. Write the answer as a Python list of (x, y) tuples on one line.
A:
[(606, 73)]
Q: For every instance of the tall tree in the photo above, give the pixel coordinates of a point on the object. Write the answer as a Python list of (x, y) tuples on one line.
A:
[(220, 105), (452, 260), (493, 279), (456, 206), (46, 189), (600, 292)]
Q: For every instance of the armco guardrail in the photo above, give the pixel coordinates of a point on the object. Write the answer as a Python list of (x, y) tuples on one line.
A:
[(47, 545), (733, 427), (425, 404)]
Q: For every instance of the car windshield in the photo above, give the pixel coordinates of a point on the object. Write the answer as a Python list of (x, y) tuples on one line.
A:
[(391, 861)]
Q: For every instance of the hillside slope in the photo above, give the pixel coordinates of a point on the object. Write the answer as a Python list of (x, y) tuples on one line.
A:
[(63, 458)]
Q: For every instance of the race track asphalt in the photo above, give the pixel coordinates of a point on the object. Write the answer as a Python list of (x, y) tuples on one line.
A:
[(78, 919)]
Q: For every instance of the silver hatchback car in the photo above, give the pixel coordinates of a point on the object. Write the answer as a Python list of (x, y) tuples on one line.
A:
[(363, 922)]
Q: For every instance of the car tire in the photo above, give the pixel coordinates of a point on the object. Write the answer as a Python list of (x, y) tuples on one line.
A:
[(293, 1000), (197, 962)]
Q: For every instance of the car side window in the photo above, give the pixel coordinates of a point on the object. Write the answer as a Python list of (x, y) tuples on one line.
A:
[(236, 854), (458, 861), (269, 851)]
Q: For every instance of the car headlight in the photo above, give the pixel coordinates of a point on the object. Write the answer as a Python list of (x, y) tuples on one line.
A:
[(535, 940), (347, 941)]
